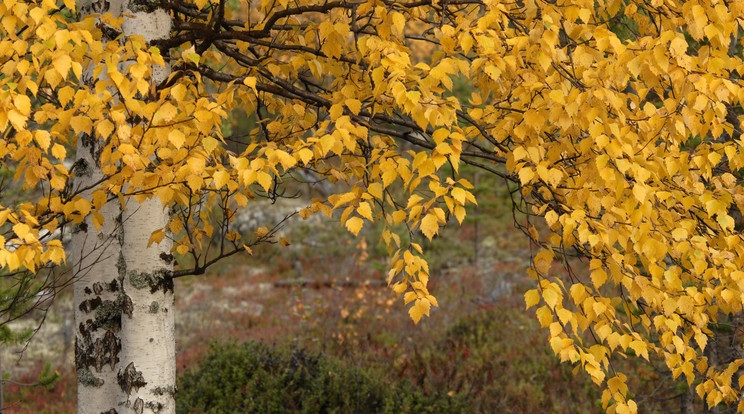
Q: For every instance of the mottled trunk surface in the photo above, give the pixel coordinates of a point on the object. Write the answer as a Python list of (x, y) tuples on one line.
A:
[(124, 338)]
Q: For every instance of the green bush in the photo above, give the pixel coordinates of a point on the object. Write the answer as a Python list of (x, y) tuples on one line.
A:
[(255, 378)]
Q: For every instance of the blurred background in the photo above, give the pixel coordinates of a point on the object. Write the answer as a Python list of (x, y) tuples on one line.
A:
[(312, 327)]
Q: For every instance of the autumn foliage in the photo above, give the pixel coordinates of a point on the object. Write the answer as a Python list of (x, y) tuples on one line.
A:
[(618, 121)]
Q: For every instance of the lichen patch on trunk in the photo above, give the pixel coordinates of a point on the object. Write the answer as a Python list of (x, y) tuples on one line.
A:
[(158, 280)]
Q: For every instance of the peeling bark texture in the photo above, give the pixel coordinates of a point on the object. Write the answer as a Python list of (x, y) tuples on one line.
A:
[(125, 342)]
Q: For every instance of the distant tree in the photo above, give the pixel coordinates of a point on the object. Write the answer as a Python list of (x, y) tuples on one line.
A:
[(617, 122)]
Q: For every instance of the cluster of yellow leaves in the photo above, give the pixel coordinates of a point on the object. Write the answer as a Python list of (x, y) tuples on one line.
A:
[(36, 54), (617, 119), (603, 150), (590, 105)]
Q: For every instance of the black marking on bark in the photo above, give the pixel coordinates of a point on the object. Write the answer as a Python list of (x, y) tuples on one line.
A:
[(86, 378), (81, 168), (80, 227), (113, 346), (108, 314), (130, 378), (99, 354), (167, 258), (109, 32), (170, 390), (156, 406), (158, 280), (92, 143), (95, 353), (98, 7), (127, 307), (121, 266), (105, 351), (113, 286), (139, 406), (87, 290), (97, 288), (111, 411), (119, 220), (147, 6), (89, 305)]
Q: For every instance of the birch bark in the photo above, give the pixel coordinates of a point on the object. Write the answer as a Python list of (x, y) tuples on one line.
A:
[(125, 342)]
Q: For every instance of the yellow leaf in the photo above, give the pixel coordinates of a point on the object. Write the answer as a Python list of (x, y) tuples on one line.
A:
[(526, 175), (545, 316), (365, 210), (564, 315), (398, 216), (22, 104), (640, 348), (261, 231), (640, 191), (336, 111), (354, 224), (220, 178), (18, 120), (551, 217), (459, 195), (305, 155), (354, 105), (399, 23), (284, 242), (62, 64), (182, 249), (532, 298), (543, 261), (342, 199), (430, 225), (551, 297), (177, 138), (83, 206), (400, 288), (209, 143), (460, 213), (81, 124), (43, 138), (21, 230), (156, 237), (285, 159), (99, 198), (250, 82), (599, 276), (416, 312), (375, 190), (264, 180), (248, 250), (678, 46)]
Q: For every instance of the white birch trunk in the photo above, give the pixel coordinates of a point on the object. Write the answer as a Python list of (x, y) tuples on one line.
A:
[(98, 297), (125, 342)]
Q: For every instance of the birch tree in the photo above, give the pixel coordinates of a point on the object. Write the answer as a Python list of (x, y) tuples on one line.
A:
[(617, 122), (125, 339)]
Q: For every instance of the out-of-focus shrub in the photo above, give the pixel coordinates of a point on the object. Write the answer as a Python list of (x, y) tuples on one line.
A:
[(255, 378)]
